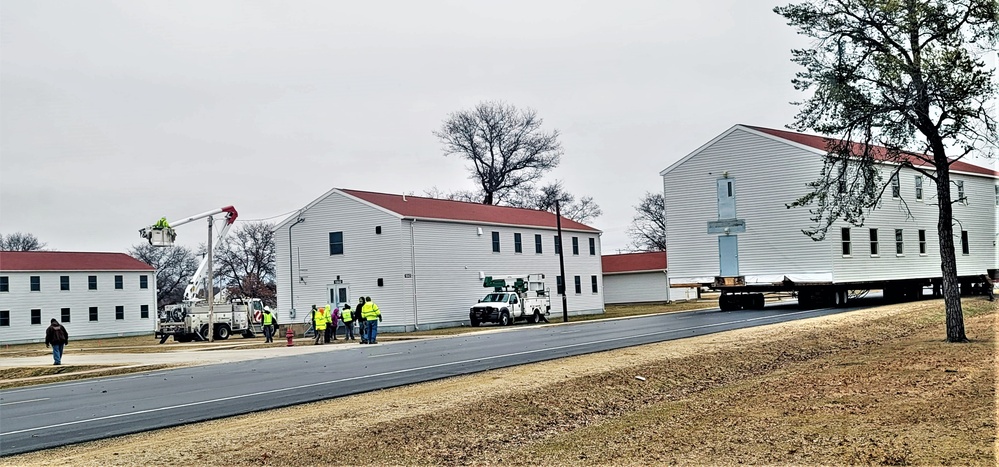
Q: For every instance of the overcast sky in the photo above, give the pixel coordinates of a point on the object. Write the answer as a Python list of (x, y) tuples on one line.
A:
[(117, 113)]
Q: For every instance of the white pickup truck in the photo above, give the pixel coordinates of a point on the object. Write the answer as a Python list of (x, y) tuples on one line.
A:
[(514, 298)]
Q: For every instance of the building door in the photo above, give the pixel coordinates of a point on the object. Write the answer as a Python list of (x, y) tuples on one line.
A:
[(339, 295), (728, 255)]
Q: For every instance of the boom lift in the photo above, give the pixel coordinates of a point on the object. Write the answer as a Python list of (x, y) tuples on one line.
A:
[(189, 321)]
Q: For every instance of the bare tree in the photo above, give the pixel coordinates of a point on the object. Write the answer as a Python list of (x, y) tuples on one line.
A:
[(459, 195), (544, 198), (174, 267), (505, 145), (648, 227), (900, 82), (246, 262), (18, 241)]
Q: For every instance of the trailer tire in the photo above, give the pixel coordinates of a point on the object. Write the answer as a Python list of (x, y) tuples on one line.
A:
[(759, 302), (504, 319), (728, 302), (222, 332)]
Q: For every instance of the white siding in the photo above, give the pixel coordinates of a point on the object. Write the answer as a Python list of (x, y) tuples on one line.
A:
[(635, 287), (770, 173), (20, 300), (448, 258)]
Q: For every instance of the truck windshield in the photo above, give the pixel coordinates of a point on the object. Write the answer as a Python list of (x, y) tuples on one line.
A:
[(495, 297)]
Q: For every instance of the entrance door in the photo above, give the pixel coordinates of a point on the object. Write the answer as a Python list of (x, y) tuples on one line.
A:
[(339, 295)]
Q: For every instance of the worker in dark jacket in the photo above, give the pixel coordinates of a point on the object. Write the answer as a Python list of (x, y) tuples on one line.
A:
[(362, 325), (57, 337)]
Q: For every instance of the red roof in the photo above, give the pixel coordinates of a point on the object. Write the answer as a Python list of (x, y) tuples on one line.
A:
[(69, 261), (879, 152), (634, 262), (431, 208)]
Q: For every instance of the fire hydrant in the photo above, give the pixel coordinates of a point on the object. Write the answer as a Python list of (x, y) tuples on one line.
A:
[(289, 334)]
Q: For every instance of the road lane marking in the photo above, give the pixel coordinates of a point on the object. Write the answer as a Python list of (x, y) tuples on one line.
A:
[(24, 402), (384, 355), (397, 372)]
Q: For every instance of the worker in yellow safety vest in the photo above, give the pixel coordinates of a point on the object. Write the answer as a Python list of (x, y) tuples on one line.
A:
[(269, 323), (372, 315), (162, 224), (330, 324), (348, 323), (321, 322)]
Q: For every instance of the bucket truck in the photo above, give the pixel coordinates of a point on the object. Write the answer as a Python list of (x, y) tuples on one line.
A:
[(189, 320), (513, 297)]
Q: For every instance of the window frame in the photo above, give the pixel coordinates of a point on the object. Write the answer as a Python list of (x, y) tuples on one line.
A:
[(899, 243), (143, 281), (119, 282), (144, 311), (496, 241), (65, 314), (5, 318), (875, 248), (846, 241), (35, 283), (93, 314), (922, 242), (919, 187), (538, 241), (518, 243), (119, 312), (336, 247), (593, 246), (962, 197), (558, 245), (91, 282), (4, 283), (896, 187), (965, 243), (577, 283), (559, 285), (64, 283), (593, 284), (575, 246), (36, 316)]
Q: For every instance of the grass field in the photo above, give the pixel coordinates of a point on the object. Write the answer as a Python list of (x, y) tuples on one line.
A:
[(871, 387)]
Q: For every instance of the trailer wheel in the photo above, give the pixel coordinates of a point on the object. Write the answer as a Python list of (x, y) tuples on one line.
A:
[(728, 302), (504, 319), (759, 301), (222, 332)]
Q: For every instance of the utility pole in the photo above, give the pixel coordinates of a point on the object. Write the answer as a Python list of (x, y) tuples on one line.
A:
[(211, 286), (561, 263)]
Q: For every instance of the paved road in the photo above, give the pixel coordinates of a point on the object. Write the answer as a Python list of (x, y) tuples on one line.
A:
[(53, 415)]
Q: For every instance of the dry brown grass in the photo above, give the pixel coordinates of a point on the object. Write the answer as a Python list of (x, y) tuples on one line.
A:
[(871, 387), (16, 377)]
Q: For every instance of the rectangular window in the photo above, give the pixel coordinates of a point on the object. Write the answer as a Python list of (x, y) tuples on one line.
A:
[(896, 187), (63, 282), (143, 281), (36, 283), (496, 242), (593, 283), (558, 245), (845, 234), (575, 246), (593, 247), (965, 248), (92, 282), (4, 318), (144, 311), (559, 286), (36, 316), (518, 246), (960, 192), (919, 187), (578, 283), (922, 242), (119, 282), (119, 312), (93, 313), (874, 242), (336, 243), (4, 284), (537, 243), (64, 314), (997, 195), (899, 243)]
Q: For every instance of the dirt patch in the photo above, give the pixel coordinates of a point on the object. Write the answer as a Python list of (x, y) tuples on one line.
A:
[(871, 387)]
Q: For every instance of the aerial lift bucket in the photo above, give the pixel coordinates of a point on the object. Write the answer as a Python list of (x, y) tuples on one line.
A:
[(161, 237)]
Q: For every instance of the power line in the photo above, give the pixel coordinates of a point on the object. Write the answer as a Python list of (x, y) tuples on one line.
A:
[(266, 218)]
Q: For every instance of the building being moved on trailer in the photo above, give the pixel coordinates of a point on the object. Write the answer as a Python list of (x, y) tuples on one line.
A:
[(728, 225)]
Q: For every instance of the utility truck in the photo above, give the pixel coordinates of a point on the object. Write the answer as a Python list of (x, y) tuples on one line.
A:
[(194, 318), (513, 297)]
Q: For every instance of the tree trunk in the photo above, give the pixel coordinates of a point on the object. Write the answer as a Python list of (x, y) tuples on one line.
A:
[(948, 261)]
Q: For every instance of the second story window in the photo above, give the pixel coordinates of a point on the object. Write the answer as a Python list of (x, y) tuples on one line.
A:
[(961, 198), (847, 247), (593, 247), (919, 187), (4, 284), (518, 246), (336, 243), (575, 246), (91, 282), (143, 281), (896, 187), (63, 282), (119, 282), (496, 242), (36, 283), (537, 243), (558, 245)]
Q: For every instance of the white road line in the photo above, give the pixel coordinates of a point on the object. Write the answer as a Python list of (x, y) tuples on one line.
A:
[(384, 355), (396, 372), (24, 402)]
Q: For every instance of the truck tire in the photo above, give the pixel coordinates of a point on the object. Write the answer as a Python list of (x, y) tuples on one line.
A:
[(475, 322), (182, 338), (222, 332), (504, 319), (536, 317)]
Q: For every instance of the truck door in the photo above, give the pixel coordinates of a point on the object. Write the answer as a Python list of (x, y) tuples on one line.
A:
[(515, 305)]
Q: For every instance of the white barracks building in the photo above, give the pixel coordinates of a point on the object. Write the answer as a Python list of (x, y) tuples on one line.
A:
[(94, 294)]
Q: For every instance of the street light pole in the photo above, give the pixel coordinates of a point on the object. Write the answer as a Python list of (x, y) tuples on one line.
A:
[(211, 286)]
